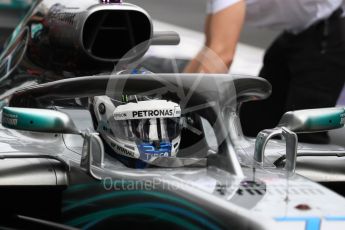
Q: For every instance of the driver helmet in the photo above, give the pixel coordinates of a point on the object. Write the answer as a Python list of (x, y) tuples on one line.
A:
[(144, 130)]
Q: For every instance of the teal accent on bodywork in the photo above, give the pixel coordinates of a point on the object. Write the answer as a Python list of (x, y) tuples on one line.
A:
[(15, 118), (3, 104), (15, 5), (180, 211), (335, 119), (81, 187), (120, 194), (163, 211), (21, 27), (97, 217), (35, 29)]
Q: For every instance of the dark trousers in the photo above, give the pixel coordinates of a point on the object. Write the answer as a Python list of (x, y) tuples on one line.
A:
[(306, 71)]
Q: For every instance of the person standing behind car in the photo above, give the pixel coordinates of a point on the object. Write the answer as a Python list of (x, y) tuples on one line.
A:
[(305, 64)]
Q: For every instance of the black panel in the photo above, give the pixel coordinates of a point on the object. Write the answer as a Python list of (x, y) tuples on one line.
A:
[(111, 34)]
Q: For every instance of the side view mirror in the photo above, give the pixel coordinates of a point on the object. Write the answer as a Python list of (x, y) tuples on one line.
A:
[(38, 120), (301, 121), (51, 121), (313, 120)]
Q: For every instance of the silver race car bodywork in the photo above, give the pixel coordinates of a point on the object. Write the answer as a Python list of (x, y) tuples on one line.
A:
[(57, 172)]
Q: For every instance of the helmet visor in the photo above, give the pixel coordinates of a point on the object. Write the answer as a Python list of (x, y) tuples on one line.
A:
[(148, 130)]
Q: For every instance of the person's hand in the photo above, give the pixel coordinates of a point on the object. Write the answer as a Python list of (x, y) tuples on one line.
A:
[(222, 31), (207, 61)]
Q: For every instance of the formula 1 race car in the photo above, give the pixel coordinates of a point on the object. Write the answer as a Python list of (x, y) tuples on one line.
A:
[(91, 139)]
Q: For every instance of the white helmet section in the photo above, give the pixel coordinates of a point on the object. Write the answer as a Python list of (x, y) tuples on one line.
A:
[(147, 110), (116, 124), (122, 147)]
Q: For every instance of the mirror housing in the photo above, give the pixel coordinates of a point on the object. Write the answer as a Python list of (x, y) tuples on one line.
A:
[(313, 120), (38, 120), (300, 121), (51, 121)]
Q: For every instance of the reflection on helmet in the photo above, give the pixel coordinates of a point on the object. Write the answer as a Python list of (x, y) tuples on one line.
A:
[(153, 137), (148, 130), (144, 130)]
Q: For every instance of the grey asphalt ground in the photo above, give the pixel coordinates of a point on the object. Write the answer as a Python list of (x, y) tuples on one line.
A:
[(191, 14)]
